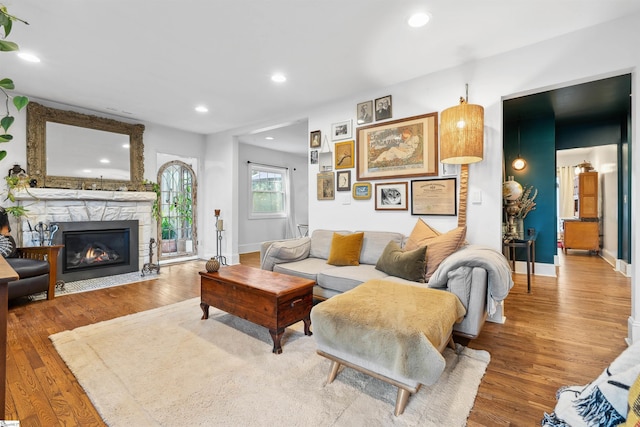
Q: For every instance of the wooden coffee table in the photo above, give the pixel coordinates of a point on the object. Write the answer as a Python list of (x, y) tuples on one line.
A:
[(268, 299)]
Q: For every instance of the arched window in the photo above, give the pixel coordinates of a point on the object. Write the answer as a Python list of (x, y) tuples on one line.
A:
[(177, 212)]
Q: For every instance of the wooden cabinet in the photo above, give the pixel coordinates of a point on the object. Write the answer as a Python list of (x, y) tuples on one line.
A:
[(581, 235), (585, 195)]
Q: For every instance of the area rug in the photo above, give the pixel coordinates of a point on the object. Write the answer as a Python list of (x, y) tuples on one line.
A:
[(97, 283), (166, 367)]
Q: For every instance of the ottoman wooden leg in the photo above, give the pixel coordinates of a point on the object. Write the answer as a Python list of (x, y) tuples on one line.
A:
[(333, 371), (401, 400)]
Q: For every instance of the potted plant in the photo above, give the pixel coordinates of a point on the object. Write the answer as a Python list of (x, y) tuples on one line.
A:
[(168, 233), (19, 102)]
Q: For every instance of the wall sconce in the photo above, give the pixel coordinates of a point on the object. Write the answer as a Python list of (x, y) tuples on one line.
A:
[(519, 163), (462, 143)]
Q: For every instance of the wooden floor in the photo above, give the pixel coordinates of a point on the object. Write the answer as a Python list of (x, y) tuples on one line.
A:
[(565, 332)]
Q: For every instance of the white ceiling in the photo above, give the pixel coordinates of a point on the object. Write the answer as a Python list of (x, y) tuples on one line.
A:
[(154, 61)]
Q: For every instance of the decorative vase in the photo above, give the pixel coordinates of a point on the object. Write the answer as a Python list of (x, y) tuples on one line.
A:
[(212, 265)]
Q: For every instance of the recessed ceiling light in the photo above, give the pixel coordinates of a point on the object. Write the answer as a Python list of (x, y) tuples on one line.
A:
[(126, 146), (28, 57), (202, 109), (269, 138), (104, 161), (418, 20), (279, 78), (86, 170)]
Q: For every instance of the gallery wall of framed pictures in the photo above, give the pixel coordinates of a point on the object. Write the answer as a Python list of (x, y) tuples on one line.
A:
[(401, 155)]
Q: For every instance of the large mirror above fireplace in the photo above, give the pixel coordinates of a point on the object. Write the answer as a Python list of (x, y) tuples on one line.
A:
[(67, 149)]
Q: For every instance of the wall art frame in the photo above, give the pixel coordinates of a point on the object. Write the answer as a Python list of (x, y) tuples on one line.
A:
[(384, 108), (398, 149), (343, 180), (361, 191), (392, 196), (434, 197), (341, 130), (315, 139), (364, 112), (326, 186), (344, 154)]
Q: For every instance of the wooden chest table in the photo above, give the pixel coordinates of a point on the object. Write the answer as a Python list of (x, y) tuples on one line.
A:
[(268, 299)]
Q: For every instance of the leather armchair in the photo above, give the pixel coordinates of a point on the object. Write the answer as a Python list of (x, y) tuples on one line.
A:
[(37, 269)]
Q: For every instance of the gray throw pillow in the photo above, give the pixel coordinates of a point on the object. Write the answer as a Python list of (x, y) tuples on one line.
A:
[(409, 265)]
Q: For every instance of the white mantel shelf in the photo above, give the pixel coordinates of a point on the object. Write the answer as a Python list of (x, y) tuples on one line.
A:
[(66, 194)]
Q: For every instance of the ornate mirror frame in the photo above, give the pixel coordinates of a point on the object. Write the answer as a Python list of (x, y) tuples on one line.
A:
[(37, 117)]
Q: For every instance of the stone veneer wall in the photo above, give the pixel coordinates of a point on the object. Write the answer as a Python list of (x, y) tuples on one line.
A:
[(49, 205)]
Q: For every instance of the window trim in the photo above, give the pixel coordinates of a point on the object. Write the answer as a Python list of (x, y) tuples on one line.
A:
[(285, 190)]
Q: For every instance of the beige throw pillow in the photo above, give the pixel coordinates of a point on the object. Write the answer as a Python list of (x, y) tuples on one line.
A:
[(438, 248), (420, 235)]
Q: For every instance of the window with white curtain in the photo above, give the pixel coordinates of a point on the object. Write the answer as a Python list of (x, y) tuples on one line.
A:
[(269, 188)]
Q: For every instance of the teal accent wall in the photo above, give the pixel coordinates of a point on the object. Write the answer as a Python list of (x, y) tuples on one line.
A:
[(538, 148)]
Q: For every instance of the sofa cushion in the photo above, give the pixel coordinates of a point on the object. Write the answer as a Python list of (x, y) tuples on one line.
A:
[(374, 243), (420, 235), (345, 249), (26, 267), (286, 251), (321, 243), (306, 268), (342, 279), (441, 247), (408, 265)]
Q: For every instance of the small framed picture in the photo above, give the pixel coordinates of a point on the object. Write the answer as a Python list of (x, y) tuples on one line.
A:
[(326, 186), (391, 196), (344, 153), (361, 191), (364, 112), (315, 139), (383, 108), (341, 130), (344, 180), (314, 157)]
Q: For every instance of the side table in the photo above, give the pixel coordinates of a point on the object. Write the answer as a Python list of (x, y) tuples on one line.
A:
[(510, 243)]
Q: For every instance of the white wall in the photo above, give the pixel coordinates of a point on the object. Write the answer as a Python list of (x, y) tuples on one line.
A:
[(251, 232), (585, 55)]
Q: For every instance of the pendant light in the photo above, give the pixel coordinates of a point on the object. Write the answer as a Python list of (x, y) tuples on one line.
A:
[(519, 163)]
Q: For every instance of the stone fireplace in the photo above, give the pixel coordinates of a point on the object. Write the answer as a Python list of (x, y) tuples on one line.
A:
[(90, 210)]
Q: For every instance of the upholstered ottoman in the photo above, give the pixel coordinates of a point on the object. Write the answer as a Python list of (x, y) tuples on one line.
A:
[(391, 331)]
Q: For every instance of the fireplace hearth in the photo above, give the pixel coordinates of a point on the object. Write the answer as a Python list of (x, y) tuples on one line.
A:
[(96, 249)]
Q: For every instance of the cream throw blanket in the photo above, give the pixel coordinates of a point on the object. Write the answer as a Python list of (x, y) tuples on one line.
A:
[(397, 326)]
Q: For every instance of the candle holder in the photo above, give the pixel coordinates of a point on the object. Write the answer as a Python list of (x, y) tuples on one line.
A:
[(219, 229)]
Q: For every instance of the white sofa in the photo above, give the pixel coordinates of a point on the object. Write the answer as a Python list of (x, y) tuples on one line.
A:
[(479, 276)]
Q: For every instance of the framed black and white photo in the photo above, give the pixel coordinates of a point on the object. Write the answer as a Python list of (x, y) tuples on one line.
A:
[(364, 112), (344, 180), (392, 196), (341, 130), (383, 108), (314, 157)]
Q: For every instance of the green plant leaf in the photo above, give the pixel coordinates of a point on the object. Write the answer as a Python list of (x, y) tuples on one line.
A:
[(5, 22), (7, 84), (6, 122), (3, 154), (6, 46), (20, 102), (6, 137)]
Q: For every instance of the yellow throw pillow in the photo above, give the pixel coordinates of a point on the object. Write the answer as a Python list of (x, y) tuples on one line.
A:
[(438, 248), (420, 235), (345, 249), (633, 416)]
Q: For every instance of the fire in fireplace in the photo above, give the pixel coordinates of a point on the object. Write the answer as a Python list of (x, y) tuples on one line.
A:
[(97, 248)]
